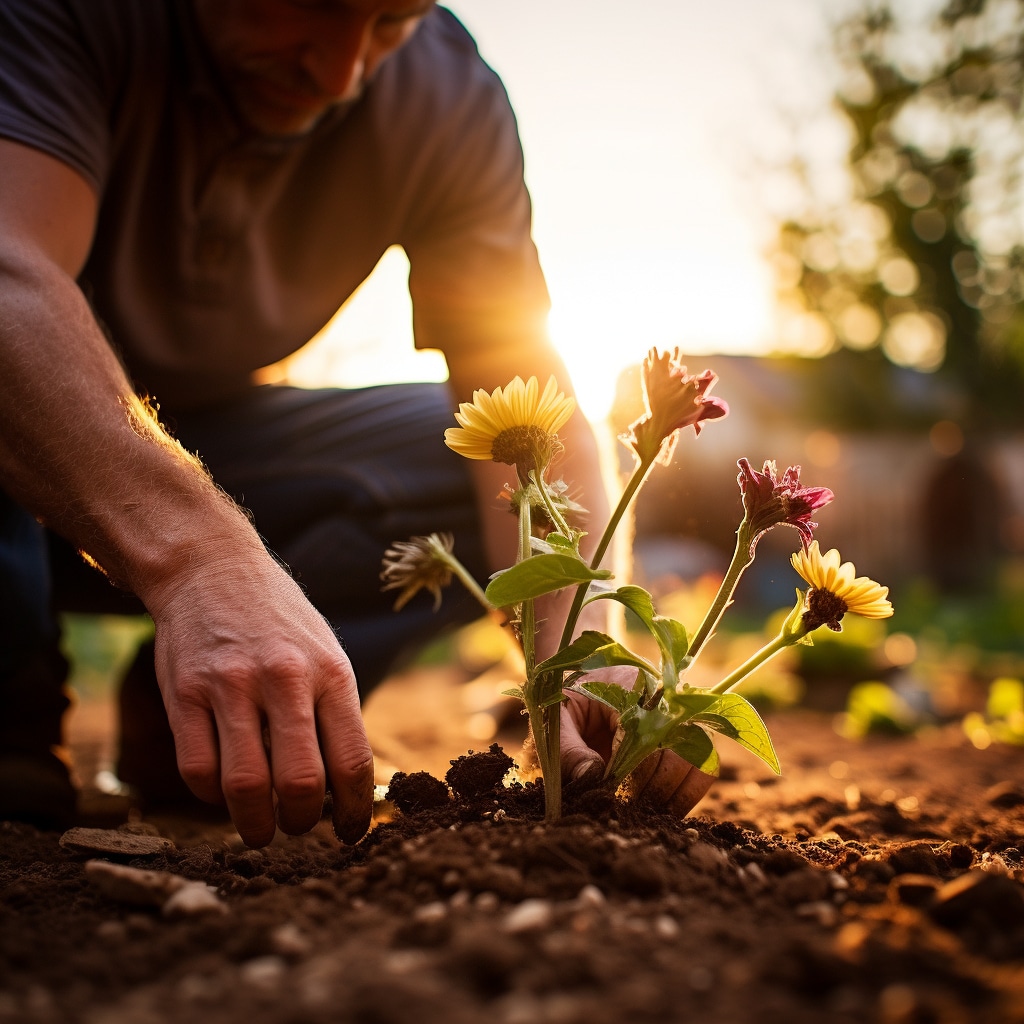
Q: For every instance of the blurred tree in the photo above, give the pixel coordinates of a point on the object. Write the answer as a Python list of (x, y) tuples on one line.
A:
[(919, 261)]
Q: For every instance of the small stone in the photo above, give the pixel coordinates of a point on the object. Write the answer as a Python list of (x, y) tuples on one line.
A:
[(193, 900), (1005, 794), (530, 915), (133, 885), (288, 941), (590, 896), (979, 897), (666, 927), (486, 902), (263, 972), (114, 842), (430, 913), (754, 872), (913, 890)]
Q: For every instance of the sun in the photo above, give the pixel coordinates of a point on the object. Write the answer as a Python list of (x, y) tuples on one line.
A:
[(607, 312)]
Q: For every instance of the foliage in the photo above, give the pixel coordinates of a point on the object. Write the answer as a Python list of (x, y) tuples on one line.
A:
[(1003, 720), (657, 708), (920, 262)]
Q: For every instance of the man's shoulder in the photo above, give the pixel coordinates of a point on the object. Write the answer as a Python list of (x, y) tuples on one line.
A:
[(440, 70)]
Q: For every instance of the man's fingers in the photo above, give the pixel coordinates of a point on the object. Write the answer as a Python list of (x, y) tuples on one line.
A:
[(578, 759), (297, 770), (195, 744), (665, 780), (348, 760), (690, 791), (245, 774)]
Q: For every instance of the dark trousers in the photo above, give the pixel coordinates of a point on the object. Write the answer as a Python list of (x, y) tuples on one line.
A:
[(332, 477)]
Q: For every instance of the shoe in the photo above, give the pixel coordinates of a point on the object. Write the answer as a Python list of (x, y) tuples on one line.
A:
[(36, 788)]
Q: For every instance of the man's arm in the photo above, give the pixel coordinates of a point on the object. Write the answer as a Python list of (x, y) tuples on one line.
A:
[(240, 651)]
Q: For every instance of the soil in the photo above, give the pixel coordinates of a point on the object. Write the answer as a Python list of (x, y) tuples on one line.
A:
[(878, 880)]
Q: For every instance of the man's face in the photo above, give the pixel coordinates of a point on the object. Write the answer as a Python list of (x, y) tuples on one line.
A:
[(287, 62)]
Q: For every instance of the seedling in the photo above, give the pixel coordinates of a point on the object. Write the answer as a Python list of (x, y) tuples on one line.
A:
[(518, 425)]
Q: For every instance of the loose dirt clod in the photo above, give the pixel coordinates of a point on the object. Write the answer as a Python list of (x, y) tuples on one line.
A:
[(418, 791), (476, 774)]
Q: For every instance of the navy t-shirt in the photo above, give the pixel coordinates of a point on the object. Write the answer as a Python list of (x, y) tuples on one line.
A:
[(219, 251)]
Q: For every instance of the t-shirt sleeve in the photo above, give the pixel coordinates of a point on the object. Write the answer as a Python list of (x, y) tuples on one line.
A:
[(53, 88), (475, 276)]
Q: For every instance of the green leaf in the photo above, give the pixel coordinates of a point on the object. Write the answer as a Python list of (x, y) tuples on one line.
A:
[(693, 744), (570, 658), (616, 654), (538, 575), (613, 696), (669, 634), (734, 716), (672, 639), (636, 599), (516, 691)]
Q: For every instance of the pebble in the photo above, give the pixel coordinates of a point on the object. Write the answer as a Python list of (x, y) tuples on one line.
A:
[(979, 896), (1005, 794), (486, 902), (913, 890), (263, 972), (666, 927), (288, 941), (530, 915), (590, 896), (133, 885), (114, 842), (430, 913), (193, 900)]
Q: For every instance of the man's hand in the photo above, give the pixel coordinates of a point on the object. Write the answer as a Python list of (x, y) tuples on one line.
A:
[(664, 780), (262, 702)]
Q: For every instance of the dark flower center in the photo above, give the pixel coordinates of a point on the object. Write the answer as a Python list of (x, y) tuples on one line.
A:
[(525, 447), (824, 609)]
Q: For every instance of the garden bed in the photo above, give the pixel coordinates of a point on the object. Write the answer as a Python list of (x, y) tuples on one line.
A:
[(877, 880)]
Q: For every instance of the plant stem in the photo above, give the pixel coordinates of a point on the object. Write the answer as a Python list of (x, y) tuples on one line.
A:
[(544, 721), (556, 517), (741, 558), (639, 474), (769, 650), (467, 580)]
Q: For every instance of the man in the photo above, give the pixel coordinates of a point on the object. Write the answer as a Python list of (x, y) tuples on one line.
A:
[(190, 188)]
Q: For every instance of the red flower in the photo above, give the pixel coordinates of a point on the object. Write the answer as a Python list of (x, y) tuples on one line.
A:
[(674, 399), (769, 502)]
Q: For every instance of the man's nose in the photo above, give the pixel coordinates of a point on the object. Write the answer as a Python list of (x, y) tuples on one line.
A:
[(336, 58)]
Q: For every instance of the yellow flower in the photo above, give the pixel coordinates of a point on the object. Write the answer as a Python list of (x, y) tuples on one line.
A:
[(835, 589), (515, 425)]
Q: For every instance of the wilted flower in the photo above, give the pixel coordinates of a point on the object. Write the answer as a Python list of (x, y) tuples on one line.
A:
[(769, 501), (836, 590), (515, 425), (420, 563), (674, 399)]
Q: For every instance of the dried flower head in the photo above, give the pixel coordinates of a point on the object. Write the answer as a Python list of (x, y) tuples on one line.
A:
[(515, 425), (420, 563), (769, 501), (836, 589), (673, 399)]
